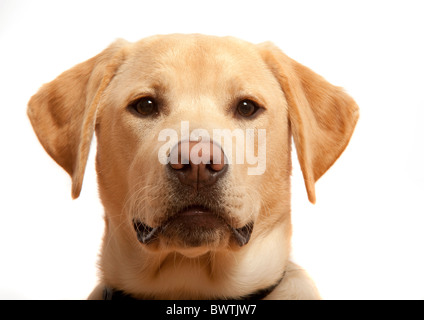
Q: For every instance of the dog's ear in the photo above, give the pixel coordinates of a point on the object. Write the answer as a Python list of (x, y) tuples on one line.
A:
[(63, 112), (322, 116)]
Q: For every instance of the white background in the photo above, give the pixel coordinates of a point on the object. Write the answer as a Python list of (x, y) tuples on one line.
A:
[(362, 240)]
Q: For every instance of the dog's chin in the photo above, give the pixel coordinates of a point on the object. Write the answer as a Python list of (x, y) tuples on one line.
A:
[(193, 231)]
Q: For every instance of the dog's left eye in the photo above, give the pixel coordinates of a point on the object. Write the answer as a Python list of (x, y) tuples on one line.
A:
[(247, 108), (145, 106)]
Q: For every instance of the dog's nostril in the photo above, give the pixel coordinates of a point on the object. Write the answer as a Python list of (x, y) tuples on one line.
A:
[(178, 166), (216, 167)]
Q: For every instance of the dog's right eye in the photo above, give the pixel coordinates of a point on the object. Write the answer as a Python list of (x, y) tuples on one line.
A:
[(247, 108), (145, 106)]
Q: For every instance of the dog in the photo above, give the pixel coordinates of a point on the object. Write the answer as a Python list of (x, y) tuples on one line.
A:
[(189, 228)]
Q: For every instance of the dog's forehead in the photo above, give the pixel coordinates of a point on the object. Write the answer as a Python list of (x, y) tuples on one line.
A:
[(180, 67), (188, 50), (194, 59)]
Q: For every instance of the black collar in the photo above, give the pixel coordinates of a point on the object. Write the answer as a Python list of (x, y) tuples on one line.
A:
[(113, 294)]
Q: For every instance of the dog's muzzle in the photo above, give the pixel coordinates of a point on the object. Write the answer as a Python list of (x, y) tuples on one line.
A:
[(195, 226), (194, 171)]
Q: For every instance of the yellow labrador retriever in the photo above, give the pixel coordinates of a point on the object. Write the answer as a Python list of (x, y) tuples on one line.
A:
[(193, 161)]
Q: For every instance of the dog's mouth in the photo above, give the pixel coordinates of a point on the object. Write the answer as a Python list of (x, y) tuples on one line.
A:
[(194, 226)]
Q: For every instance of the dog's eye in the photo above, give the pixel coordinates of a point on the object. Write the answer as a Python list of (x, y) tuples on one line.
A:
[(247, 108), (145, 106)]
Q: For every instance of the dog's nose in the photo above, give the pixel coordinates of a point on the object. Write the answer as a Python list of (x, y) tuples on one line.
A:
[(198, 164)]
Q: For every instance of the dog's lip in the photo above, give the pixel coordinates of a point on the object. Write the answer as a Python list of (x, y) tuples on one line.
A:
[(200, 216), (242, 235), (145, 233), (194, 210), (197, 215)]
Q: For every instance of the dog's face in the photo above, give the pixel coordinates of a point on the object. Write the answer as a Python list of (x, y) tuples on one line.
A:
[(209, 85), (193, 156)]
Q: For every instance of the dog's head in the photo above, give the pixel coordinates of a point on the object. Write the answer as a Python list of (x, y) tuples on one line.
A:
[(193, 136)]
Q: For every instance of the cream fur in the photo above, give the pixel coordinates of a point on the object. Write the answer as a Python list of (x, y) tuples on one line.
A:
[(197, 79)]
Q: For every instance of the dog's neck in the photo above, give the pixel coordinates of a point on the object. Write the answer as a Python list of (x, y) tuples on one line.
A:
[(113, 294), (216, 274)]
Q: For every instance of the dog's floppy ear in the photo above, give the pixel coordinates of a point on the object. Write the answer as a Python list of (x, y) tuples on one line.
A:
[(322, 116), (63, 112)]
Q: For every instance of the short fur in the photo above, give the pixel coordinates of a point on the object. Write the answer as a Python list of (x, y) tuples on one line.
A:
[(197, 79)]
